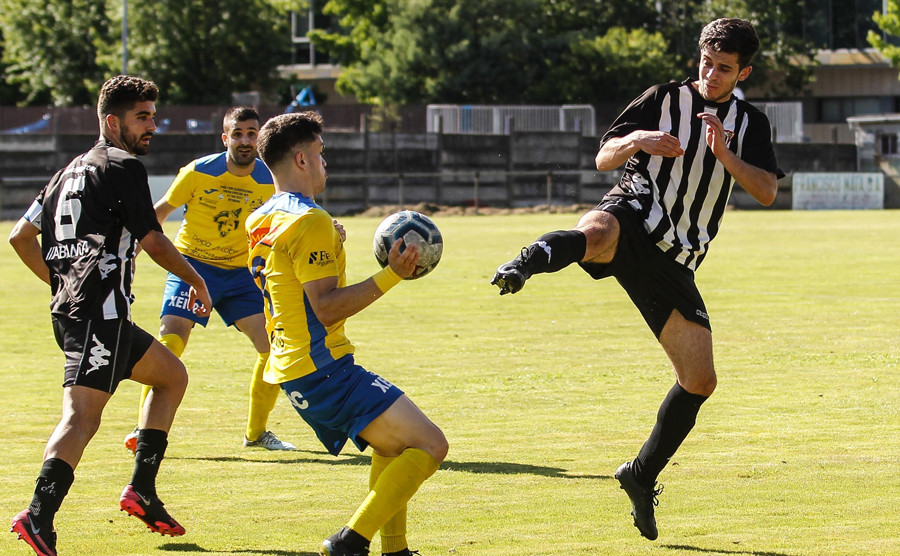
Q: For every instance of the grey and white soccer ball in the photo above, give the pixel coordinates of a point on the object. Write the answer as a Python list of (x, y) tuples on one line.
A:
[(414, 228)]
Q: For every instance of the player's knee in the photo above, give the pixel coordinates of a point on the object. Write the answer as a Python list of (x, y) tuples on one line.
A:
[(702, 384), (439, 446)]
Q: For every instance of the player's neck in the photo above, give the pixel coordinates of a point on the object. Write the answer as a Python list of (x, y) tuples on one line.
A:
[(239, 171)]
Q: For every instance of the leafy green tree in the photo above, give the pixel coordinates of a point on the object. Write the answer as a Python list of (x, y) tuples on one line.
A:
[(541, 51), (200, 51), (889, 23), (51, 48)]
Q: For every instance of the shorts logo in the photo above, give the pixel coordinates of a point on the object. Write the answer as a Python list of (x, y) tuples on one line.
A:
[(702, 315), (99, 355), (382, 384), (320, 258), (298, 401)]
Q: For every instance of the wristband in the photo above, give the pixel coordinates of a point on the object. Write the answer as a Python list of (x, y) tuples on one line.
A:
[(386, 279)]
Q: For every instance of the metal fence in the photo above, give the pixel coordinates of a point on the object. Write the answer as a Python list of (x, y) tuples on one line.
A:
[(501, 120), (786, 119)]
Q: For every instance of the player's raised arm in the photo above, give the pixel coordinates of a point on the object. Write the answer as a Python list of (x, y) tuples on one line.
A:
[(332, 304)]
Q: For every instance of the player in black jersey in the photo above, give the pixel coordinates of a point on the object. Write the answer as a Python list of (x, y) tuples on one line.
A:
[(683, 145), (91, 218)]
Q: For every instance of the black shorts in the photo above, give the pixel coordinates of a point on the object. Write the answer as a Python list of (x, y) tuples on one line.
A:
[(655, 283), (100, 353)]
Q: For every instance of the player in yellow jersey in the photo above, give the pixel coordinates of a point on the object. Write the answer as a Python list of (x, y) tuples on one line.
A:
[(218, 191), (297, 258)]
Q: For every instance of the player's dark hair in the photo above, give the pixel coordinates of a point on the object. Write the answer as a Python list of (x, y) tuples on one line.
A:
[(282, 134), (239, 114), (120, 93), (731, 36)]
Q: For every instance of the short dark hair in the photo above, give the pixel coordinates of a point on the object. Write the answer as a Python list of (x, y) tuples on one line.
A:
[(239, 114), (733, 36), (282, 134), (120, 93)]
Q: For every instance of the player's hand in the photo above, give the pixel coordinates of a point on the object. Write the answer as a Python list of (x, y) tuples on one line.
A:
[(199, 301), (717, 137), (340, 230), (658, 143), (404, 264)]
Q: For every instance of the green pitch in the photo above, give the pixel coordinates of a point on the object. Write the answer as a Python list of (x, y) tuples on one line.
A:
[(541, 395)]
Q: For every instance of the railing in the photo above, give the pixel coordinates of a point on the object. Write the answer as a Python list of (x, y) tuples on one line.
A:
[(502, 120)]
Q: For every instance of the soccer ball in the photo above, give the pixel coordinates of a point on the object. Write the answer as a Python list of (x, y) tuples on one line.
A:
[(414, 228)]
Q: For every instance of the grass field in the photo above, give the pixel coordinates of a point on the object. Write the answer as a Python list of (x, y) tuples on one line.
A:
[(541, 395)]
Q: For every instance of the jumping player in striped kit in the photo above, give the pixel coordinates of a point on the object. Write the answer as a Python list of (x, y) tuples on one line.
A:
[(684, 145)]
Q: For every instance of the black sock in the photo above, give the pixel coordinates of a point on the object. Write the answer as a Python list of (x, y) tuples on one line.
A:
[(554, 251), (151, 447), (675, 419), (52, 486)]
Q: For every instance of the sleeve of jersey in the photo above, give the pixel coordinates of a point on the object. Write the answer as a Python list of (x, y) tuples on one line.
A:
[(312, 247), (758, 150), (635, 115), (182, 189), (135, 203)]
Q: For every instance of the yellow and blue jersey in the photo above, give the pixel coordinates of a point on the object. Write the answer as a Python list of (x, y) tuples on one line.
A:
[(216, 205), (293, 241)]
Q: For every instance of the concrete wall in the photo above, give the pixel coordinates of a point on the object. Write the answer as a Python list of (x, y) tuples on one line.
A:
[(522, 169)]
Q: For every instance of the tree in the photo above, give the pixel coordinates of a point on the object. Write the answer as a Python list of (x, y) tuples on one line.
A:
[(889, 23), (541, 51), (200, 51), (51, 48)]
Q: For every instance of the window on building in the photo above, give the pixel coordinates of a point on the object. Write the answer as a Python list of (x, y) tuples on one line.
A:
[(838, 109), (888, 144), (835, 24), (302, 22)]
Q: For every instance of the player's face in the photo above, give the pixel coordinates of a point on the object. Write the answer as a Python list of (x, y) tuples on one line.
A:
[(136, 128), (314, 155), (240, 142), (719, 75)]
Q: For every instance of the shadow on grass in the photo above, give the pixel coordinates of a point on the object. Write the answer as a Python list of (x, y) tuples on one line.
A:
[(722, 550), (487, 467), (194, 548)]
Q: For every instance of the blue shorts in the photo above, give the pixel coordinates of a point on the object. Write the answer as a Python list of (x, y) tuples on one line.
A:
[(340, 400), (234, 294)]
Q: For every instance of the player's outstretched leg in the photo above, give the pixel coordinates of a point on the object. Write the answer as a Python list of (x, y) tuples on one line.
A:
[(549, 253), (643, 499)]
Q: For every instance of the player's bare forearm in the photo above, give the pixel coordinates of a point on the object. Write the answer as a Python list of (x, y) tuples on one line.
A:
[(163, 253), (163, 210), (23, 239), (617, 150), (762, 185), (332, 304)]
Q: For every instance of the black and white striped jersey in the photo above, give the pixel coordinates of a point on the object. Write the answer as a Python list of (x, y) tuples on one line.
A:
[(683, 199), (91, 215)]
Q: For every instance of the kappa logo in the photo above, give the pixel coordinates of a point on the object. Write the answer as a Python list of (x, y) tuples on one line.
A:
[(99, 355), (543, 245), (105, 266), (320, 258)]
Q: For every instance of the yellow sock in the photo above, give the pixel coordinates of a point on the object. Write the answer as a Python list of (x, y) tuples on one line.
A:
[(262, 399), (396, 484), (393, 532), (173, 343)]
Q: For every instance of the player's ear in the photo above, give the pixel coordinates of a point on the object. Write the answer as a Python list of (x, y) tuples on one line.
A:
[(225, 140), (112, 123), (299, 159), (744, 73)]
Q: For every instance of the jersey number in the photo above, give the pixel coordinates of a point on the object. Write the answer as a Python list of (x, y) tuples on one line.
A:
[(68, 208)]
